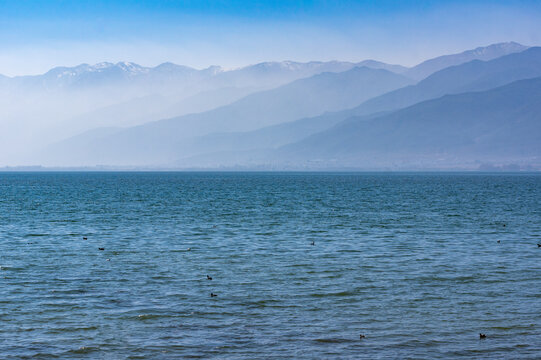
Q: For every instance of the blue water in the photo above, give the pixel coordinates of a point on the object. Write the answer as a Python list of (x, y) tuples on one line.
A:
[(412, 261)]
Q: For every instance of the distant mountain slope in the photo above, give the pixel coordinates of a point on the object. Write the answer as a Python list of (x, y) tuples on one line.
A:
[(274, 73), (267, 138), (502, 123), (490, 52), (373, 64), (230, 149), (149, 108), (476, 75), (301, 98), (472, 76)]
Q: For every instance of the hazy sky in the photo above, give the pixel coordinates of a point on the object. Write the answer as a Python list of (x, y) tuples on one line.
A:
[(37, 35)]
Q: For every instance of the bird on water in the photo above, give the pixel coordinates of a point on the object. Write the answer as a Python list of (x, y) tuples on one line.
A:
[(213, 295), (361, 336), (209, 278), (313, 243), (482, 336), (101, 249)]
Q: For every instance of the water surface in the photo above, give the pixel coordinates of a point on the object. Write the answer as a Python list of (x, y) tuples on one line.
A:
[(410, 260)]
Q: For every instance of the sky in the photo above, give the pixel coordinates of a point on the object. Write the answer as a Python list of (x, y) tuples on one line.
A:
[(37, 35)]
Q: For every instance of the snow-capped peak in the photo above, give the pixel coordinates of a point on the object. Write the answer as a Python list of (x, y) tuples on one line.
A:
[(131, 68), (101, 66)]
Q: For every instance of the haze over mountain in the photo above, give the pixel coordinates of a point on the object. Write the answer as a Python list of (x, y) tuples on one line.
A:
[(476, 75), (170, 90), (497, 125), (65, 101), (158, 141), (263, 121)]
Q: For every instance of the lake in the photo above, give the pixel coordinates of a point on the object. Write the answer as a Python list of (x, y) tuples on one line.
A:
[(302, 264)]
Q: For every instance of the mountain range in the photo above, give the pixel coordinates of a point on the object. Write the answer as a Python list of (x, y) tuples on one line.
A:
[(278, 114), (473, 76), (167, 75)]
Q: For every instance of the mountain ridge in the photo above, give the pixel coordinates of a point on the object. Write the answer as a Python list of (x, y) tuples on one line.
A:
[(493, 51), (473, 75)]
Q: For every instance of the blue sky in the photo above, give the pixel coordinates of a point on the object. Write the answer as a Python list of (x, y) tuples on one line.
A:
[(37, 35)]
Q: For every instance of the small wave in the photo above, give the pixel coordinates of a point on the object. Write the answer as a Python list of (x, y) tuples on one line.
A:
[(84, 350), (263, 303), (333, 341), (70, 329), (513, 327), (340, 293), (10, 268), (70, 291), (150, 316), (416, 343)]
